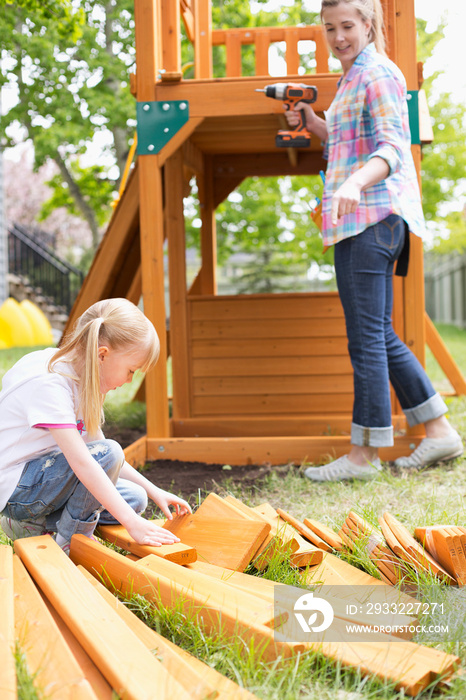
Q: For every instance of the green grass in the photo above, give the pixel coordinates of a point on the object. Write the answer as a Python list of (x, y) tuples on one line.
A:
[(429, 497)]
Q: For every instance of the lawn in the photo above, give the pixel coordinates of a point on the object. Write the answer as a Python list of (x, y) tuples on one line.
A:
[(430, 497)]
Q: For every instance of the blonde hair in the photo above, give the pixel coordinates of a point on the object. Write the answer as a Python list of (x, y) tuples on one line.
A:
[(115, 323), (369, 10)]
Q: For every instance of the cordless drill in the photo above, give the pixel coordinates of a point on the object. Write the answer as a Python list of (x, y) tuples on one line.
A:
[(290, 94)]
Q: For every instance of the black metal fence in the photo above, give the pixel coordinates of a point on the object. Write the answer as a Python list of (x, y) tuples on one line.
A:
[(30, 258)]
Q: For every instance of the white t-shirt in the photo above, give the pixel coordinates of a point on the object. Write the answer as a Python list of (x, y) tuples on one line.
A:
[(31, 397)]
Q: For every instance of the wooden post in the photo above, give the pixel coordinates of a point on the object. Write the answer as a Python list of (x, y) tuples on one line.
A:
[(171, 44), (177, 274), (208, 231), (147, 14), (202, 39)]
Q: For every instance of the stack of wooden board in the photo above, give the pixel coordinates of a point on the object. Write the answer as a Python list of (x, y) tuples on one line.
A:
[(80, 642), (403, 544), (356, 531), (408, 665), (447, 545), (280, 540)]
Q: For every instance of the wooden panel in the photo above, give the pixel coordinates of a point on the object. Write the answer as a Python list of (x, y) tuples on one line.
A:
[(270, 449), (288, 403), (7, 625), (265, 366), (278, 385), (228, 543), (271, 306), (49, 659), (123, 659), (223, 426), (269, 328), (275, 347)]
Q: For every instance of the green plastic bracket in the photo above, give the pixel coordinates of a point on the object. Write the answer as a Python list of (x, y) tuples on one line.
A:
[(413, 110), (158, 122)]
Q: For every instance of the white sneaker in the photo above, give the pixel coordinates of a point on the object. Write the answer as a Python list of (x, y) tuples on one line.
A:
[(432, 450), (17, 529), (343, 469)]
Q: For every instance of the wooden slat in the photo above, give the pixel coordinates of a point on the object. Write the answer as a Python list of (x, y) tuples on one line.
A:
[(267, 306), (276, 347), (260, 450), (100, 685), (264, 366), (305, 531), (49, 659), (283, 384), (203, 39), (267, 329), (291, 54), (234, 618), (283, 403), (262, 44), (189, 674), (123, 659), (219, 541), (233, 47), (170, 31), (178, 553), (216, 426), (7, 625), (443, 357)]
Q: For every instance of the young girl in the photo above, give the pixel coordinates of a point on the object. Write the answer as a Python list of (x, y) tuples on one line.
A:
[(58, 473), (371, 201)]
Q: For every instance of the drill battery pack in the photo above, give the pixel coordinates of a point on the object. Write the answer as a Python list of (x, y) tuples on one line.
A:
[(292, 139)]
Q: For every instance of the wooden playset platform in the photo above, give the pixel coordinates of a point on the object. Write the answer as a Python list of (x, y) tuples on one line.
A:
[(255, 377)]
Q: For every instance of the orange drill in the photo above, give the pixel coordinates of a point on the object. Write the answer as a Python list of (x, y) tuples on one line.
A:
[(290, 94)]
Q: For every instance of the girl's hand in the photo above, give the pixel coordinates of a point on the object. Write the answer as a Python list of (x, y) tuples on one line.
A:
[(146, 532), (164, 499)]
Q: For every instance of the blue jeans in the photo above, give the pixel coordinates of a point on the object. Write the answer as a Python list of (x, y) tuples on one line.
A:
[(364, 270), (49, 489)]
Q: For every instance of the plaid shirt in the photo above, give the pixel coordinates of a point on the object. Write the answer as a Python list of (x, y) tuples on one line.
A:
[(368, 118)]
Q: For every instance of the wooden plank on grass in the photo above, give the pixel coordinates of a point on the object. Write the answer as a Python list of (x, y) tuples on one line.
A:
[(305, 531), (225, 542), (7, 625), (229, 614), (187, 674), (326, 533), (53, 667), (125, 662), (179, 552)]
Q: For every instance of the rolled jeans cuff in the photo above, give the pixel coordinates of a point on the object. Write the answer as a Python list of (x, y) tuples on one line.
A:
[(433, 408), (68, 526), (371, 437)]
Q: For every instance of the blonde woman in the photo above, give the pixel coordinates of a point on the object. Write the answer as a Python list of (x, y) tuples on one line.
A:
[(371, 201), (58, 473)]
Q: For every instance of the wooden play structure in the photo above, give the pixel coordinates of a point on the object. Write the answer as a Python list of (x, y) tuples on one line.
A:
[(255, 377)]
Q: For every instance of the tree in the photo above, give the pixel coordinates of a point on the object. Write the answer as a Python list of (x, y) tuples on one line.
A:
[(71, 75)]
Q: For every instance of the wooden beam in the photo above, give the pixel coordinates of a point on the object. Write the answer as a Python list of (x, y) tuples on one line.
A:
[(124, 660), (7, 625), (444, 358), (258, 450), (239, 165), (208, 277), (49, 659), (176, 238), (170, 33), (203, 39)]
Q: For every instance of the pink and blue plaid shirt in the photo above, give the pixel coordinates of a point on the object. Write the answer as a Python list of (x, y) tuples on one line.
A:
[(368, 118)]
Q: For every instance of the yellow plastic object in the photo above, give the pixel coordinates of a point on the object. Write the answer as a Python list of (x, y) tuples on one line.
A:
[(6, 339), (41, 328), (21, 331)]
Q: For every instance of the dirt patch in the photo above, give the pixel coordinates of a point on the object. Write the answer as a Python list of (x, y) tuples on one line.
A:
[(186, 478)]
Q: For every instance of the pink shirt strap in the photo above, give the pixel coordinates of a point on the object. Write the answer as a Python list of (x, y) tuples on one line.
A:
[(48, 426)]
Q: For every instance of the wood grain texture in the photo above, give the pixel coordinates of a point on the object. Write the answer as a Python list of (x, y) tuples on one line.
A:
[(7, 625), (179, 552), (124, 661)]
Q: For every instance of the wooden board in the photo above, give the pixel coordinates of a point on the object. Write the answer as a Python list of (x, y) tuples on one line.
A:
[(438, 541), (231, 543), (229, 614), (415, 550), (7, 625), (305, 531), (126, 663), (179, 552), (325, 533), (176, 664), (49, 660)]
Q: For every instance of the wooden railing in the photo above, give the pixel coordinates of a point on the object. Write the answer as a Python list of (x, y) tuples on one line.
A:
[(198, 24)]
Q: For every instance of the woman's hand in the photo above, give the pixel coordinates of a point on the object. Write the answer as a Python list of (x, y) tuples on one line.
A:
[(293, 117), (345, 200), (146, 532)]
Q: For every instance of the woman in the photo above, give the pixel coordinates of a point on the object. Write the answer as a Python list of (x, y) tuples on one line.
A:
[(371, 201)]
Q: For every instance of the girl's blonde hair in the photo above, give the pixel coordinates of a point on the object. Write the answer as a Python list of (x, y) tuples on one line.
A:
[(369, 10), (115, 323)]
